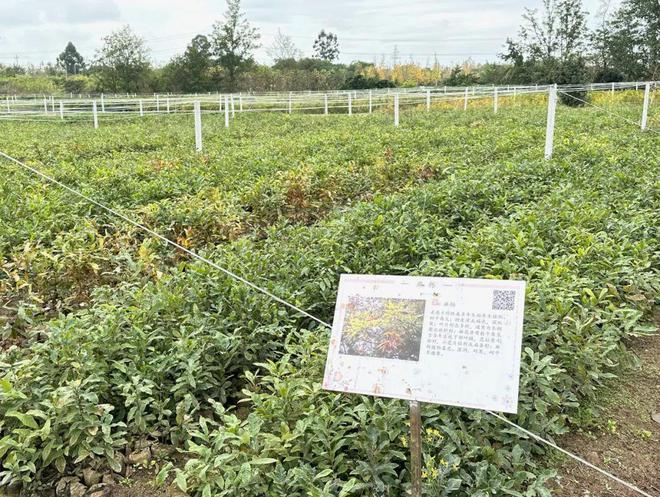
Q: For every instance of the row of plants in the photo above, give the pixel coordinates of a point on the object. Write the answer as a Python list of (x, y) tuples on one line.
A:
[(56, 249), (192, 359)]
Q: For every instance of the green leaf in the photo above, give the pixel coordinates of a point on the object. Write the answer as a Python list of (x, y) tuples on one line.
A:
[(263, 460), (181, 481), (26, 419)]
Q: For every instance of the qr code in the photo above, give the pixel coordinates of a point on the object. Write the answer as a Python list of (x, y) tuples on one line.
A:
[(503, 300)]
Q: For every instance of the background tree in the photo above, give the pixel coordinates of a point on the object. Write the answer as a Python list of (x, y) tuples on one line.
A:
[(326, 46), (122, 64), (551, 44), (283, 48), (234, 41), (628, 44), (70, 60), (190, 72)]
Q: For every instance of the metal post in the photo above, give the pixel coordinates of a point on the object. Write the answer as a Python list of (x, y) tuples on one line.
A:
[(550, 126), (396, 109), (198, 126), (415, 449), (95, 114), (645, 109)]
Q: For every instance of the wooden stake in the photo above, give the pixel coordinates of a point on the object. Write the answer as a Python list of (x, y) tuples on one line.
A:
[(415, 449)]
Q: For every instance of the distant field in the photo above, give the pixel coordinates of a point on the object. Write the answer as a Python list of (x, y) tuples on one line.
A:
[(111, 341)]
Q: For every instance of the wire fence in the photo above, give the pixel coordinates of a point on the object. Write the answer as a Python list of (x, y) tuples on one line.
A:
[(337, 101)]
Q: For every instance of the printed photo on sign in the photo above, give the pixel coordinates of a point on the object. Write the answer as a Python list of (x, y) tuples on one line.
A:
[(387, 328), (448, 341)]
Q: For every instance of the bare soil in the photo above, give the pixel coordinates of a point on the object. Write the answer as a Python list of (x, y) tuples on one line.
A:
[(626, 440)]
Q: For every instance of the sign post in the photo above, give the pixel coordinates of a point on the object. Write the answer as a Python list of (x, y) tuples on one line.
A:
[(415, 449), (448, 341)]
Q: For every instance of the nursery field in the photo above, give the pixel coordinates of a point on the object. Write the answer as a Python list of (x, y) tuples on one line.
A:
[(119, 351)]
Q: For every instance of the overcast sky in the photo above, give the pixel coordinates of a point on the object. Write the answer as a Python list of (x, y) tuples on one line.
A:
[(37, 30)]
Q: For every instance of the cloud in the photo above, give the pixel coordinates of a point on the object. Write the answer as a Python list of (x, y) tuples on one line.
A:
[(367, 29), (22, 13)]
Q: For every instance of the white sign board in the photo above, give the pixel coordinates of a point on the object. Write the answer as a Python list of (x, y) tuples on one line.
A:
[(453, 341)]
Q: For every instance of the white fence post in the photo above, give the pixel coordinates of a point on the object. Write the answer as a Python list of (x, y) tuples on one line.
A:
[(141, 109), (198, 126), (612, 90), (370, 102), (350, 103), (233, 107), (240, 103), (157, 102), (290, 103), (325, 104), (428, 100), (8, 106), (550, 125), (95, 114), (61, 110), (52, 103), (396, 109), (167, 105), (219, 103), (495, 100), (226, 111), (645, 109), (45, 105), (102, 103), (466, 99)]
